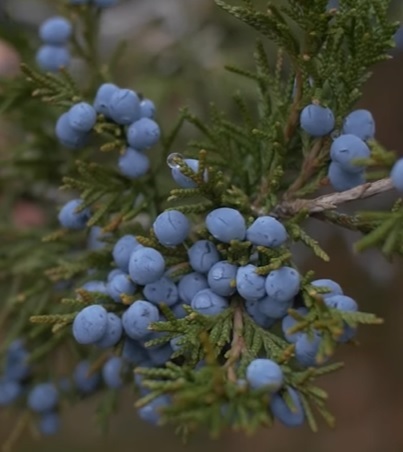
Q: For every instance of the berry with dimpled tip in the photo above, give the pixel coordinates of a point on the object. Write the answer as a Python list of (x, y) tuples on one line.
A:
[(120, 285), (9, 391), (283, 284), (151, 412), (112, 372), (189, 285), (146, 265), (288, 322), (133, 164), (333, 287), (163, 290), (147, 108), (185, 181), (346, 149), (143, 134), (306, 350), (396, 175), (85, 380), (273, 308), (52, 58), (82, 117), (123, 249), (226, 224), (67, 136), (103, 98), (138, 317), (342, 180), (290, 417), (207, 302), (113, 333), (266, 231), (43, 397), (317, 121), (250, 285), (49, 423), (72, 216), (203, 255), (55, 30), (124, 106), (222, 278), (360, 123), (171, 227), (90, 324), (262, 373)]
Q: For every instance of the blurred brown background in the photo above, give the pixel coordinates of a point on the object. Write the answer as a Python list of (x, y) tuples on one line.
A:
[(177, 49)]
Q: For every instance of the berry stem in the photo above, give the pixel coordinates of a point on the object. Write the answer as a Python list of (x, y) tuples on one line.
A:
[(237, 344)]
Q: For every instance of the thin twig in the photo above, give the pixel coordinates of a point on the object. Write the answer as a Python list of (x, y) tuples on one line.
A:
[(331, 201), (237, 344)]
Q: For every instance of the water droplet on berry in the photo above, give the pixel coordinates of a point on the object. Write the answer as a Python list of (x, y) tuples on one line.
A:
[(172, 158)]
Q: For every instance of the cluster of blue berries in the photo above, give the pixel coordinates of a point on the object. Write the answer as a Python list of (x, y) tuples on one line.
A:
[(120, 106), (348, 148), (54, 54)]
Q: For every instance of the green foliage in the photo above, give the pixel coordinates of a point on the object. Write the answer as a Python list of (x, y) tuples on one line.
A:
[(260, 163)]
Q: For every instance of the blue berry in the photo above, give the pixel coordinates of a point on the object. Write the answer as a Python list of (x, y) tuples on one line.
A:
[(288, 322), (289, 417), (56, 30), (317, 121), (346, 149), (185, 181), (151, 412), (143, 134), (262, 373), (138, 317), (113, 333), (133, 352), (105, 3), (360, 123), (160, 355), (85, 381), (10, 390), (342, 180), (163, 290), (146, 265), (250, 285), (226, 224), (306, 350), (95, 236), (133, 164), (82, 117), (273, 308), (70, 217), (398, 38), (283, 284), (266, 231), (396, 175), (112, 372), (90, 324), (179, 311), (115, 272), (189, 285), (203, 255), (43, 397), (122, 251), (103, 98), (95, 286), (124, 106), (120, 285), (333, 287), (67, 136), (343, 303), (207, 302), (252, 308), (175, 343), (17, 367), (222, 278), (49, 423), (147, 108), (171, 227), (52, 58)]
